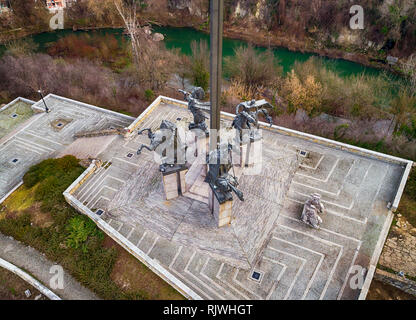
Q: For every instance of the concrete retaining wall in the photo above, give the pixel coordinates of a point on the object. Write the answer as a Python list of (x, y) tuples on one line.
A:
[(29, 279), (401, 283), (39, 106), (17, 100), (376, 256)]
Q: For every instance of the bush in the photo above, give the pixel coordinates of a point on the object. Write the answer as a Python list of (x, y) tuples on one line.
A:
[(21, 47), (199, 64), (359, 96), (254, 69), (52, 176), (73, 241), (149, 94), (80, 229), (340, 131), (107, 49), (306, 95), (78, 79)]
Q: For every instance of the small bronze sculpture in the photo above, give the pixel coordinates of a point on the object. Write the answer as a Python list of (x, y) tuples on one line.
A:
[(197, 107), (247, 115), (159, 136), (311, 210), (222, 183), (166, 132)]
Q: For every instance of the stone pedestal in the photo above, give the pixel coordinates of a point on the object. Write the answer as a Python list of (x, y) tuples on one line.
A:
[(174, 182), (244, 149), (182, 181), (222, 212), (170, 185), (254, 153)]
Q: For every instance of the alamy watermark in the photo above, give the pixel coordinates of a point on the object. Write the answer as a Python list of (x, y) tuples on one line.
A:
[(358, 276), (357, 20), (57, 280), (57, 20), (193, 147)]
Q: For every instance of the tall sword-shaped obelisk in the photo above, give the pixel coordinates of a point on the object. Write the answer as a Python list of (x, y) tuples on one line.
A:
[(216, 21)]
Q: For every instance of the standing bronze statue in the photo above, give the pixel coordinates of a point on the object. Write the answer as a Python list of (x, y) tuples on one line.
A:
[(197, 107)]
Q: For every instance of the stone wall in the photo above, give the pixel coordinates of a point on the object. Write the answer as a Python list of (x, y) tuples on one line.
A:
[(401, 283), (399, 250)]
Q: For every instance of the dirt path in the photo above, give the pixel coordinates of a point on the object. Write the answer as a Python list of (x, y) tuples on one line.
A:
[(39, 267)]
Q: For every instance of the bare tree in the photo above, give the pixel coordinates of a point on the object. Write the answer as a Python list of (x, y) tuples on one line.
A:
[(153, 63), (139, 35)]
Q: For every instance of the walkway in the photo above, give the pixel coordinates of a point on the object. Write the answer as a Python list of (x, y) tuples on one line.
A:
[(39, 266)]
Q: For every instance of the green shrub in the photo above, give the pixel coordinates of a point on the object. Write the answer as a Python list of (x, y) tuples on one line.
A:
[(80, 229), (253, 68), (199, 64), (52, 176), (149, 94), (200, 77)]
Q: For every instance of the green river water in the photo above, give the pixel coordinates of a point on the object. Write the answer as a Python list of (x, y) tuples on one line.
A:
[(181, 38)]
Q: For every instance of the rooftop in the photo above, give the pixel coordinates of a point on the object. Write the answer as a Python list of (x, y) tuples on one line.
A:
[(35, 135), (267, 252)]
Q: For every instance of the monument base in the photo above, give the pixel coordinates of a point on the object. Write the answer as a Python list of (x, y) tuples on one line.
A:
[(251, 153), (174, 181), (222, 211)]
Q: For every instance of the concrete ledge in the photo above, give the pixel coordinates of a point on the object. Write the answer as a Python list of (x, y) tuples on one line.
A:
[(399, 193), (84, 176), (11, 191), (29, 279), (142, 116), (376, 256), (15, 101), (86, 105)]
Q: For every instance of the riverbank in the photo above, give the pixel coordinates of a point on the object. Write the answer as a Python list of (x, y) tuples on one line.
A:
[(261, 38), (255, 37)]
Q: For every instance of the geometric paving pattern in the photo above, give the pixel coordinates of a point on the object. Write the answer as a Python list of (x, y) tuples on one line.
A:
[(38, 139), (296, 262)]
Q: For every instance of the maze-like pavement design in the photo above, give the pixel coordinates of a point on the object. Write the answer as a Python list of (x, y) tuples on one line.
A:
[(39, 138), (297, 262)]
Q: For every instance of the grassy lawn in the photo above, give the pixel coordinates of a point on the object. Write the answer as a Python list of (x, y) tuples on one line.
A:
[(38, 215)]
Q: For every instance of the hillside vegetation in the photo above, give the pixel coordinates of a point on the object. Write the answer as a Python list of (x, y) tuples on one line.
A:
[(38, 215)]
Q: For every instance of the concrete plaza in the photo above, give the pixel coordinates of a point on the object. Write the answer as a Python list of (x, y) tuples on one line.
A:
[(179, 239)]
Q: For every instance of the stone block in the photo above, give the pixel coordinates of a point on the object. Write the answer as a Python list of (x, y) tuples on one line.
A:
[(170, 185), (182, 181), (222, 212)]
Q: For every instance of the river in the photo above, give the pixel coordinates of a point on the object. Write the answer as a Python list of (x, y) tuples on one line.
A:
[(181, 38)]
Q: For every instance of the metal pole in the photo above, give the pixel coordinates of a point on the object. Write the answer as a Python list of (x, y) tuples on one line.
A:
[(41, 95), (216, 20)]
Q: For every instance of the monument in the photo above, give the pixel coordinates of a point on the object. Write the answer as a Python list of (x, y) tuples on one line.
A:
[(311, 210)]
